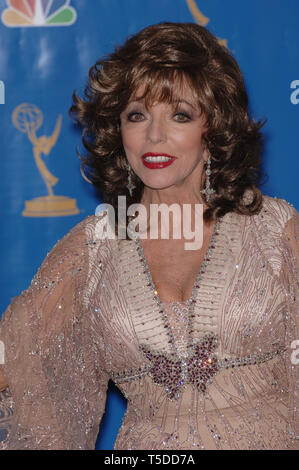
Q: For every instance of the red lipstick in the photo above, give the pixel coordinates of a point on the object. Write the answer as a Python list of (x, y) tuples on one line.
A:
[(154, 165)]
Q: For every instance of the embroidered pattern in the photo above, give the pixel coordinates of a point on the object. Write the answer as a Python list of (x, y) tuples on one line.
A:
[(198, 368)]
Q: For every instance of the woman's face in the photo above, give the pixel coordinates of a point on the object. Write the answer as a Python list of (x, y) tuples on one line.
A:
[(163, 143)]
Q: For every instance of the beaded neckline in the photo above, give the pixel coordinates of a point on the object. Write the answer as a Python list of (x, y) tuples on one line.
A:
[(190, 303)]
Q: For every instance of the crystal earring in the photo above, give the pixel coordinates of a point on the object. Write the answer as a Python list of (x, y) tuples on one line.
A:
[(208, 190), (130, 185)]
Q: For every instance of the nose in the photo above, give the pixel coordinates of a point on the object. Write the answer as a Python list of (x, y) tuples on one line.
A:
[(156, 131)]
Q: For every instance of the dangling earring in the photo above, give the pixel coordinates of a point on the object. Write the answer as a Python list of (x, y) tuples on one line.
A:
[(130, 185), (208, 190)]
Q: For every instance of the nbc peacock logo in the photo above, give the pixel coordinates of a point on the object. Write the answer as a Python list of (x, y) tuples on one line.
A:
[(20, 13)]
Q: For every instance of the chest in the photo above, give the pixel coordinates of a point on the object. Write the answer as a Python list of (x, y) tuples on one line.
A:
[(173, 269), (237, 298)]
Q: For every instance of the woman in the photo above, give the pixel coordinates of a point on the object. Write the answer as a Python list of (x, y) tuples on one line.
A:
[(199, 341)]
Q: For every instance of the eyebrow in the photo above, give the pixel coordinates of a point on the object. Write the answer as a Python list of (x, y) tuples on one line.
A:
[(184, 101), (137, 100)]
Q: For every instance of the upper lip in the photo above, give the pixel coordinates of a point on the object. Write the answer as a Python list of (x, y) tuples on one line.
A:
[(155, 154)]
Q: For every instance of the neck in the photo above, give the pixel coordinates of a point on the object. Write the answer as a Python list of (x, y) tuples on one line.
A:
[(192, 215), (170, 196)]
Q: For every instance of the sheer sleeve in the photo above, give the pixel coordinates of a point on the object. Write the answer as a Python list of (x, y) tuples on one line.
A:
[(290, 280), (52, 362)]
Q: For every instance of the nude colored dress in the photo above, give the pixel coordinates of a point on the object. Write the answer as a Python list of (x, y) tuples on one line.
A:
[(216, 372)]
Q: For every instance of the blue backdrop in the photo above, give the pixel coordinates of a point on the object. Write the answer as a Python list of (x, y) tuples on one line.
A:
[(46, 49)]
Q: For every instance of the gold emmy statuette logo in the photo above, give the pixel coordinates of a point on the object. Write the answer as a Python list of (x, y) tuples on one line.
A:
[(27, 118), (201, 19)]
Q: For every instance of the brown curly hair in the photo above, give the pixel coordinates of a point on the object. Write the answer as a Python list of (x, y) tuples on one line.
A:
[(156, 58)]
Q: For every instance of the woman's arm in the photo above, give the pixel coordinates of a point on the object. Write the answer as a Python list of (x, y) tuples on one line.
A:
[(52, 365), (290, 281)]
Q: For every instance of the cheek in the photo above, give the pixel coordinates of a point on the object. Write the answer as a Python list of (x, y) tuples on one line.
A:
[(130, 140), (190, 142)]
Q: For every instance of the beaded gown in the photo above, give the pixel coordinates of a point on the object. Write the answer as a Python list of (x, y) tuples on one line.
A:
[(215, 372)]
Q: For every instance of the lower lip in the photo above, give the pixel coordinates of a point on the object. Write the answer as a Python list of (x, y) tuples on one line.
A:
[(157, 165)]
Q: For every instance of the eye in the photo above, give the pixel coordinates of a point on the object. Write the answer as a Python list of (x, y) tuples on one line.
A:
[(182, 117), (135, 116)]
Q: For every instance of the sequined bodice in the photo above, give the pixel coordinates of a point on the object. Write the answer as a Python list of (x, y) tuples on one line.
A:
[(177, 314)]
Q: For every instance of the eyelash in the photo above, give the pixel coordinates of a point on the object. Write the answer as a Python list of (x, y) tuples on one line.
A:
[(131, 114), (182, 113), (179, 113)]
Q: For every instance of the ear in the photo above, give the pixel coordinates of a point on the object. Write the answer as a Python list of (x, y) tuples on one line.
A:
[(205, 147), (205, 154)]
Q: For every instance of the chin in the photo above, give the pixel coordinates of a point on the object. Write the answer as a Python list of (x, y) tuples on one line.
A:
[(158, 185)]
